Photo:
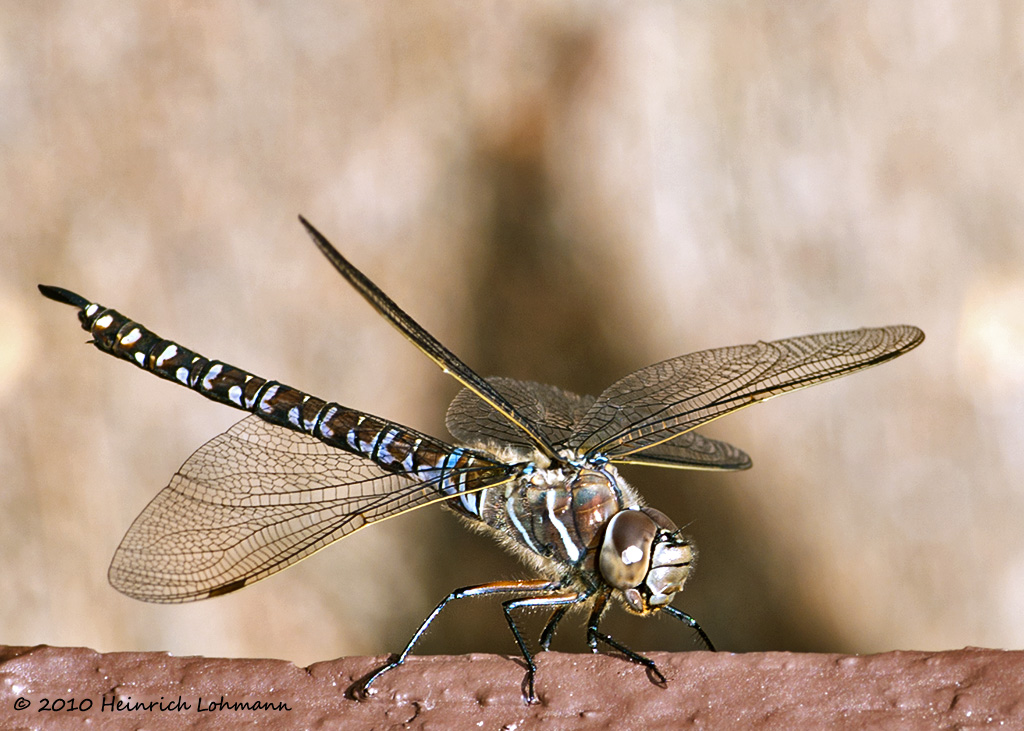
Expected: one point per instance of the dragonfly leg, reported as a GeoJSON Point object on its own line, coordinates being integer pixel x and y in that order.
{"type": "Point", "coordinates": [594, 635]}
{"type": "Point", "coordinates": [498, 587]}
{"type": "Point", "coordinates": [684, 617]}
{"type": "Point", "coordinates": [549, 629]}
{"type": "Point", "coordinates": [561, 602]}
{"type": "Point", "coordinates": [595, 617]}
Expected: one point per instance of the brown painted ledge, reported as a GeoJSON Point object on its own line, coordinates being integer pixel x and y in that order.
{"type": "Point", "coordinates": [970, 688]}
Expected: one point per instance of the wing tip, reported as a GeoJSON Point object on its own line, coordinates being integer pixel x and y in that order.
{"type": "Point", "coordinates": [227, 588]}
{"type": "Point", "coordinates": [915, 336]}
{"type": "Point", "coordinates": [146, 587]}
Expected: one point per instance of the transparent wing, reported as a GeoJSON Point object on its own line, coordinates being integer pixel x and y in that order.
{"type": "Point", "coordinates": [554, 412]}
{"type": "Point", "coordinates": [656, 404]}
{"type": "Point", "coordinates": [691, 450]}
{"type": "Point", "coordinates": [251, 502]}
{"type": "Point", "coordinates": [427, 343]}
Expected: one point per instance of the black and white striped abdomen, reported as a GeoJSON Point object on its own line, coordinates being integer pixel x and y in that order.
{"type": "Point", "coordinates": [392, 446]}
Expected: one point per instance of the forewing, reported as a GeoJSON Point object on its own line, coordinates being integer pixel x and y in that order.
{"type": "Point", "coordinates": [251, 502]}
{"type": "Point", "coordinates": [554, 412]}
{"type": "Point", "coordinates": [658, 403]}
{"type": "Point", "coordinates": [427, 343]}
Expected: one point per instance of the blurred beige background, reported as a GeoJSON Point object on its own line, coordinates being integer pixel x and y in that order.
{"type": "Point", "coordinates": [563, 192]}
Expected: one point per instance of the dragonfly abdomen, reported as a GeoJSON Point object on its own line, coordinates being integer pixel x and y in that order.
{"type": "Point", "coordinates": [389, 445]}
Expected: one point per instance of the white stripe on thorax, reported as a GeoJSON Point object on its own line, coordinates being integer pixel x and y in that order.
{"type": "Point", "coordinates": [510, 511]}
{"type": "Point", "coordinates": [571, 549]}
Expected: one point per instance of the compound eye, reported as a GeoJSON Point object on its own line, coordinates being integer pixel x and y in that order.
{"type": "Point", "coordinates": [626, 550]}
{"type": "Point", "coordinates": [660, 518]}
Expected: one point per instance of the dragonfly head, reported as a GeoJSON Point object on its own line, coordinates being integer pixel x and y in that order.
{"type": "Point", "coordinates": [644, 556]}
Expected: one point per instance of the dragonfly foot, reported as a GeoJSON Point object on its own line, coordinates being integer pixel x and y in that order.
{"type": "Point", "coordinates": [362, 690]}
{"type": "Point", "coordinates": [656, 675]}
{"type": "Point", "coordinates": [530, 696]}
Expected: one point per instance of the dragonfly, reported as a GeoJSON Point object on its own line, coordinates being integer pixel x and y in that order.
{"type": "Point", "coordinates": [533, 465]}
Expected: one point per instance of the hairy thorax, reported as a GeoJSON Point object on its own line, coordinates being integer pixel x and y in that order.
{"type": "Point", "coordinates": [553, 516]}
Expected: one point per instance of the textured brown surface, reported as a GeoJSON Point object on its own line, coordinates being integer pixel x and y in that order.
{"type": "Point", "coordinates": [958, 689]}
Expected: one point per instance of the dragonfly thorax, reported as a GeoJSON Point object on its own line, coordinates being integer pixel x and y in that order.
{"type": "Point", "coordinates": [555, 518]}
